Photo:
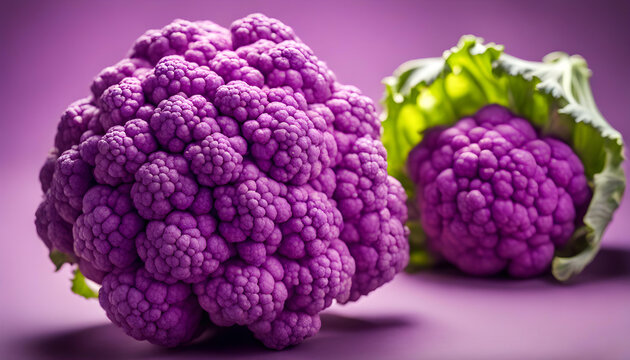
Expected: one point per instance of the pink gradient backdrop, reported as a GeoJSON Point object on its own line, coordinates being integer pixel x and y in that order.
{"type": "Point", "coordinates": [50, 50]}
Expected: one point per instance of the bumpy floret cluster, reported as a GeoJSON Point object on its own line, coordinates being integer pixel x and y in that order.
{"type": "Point", "coordinates": [494, 195]}
{"type": "Point", "coordinates": [223, 174]}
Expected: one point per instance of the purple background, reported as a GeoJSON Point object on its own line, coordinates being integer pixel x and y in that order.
{"type": "Point", "coordinates": [50, 51]}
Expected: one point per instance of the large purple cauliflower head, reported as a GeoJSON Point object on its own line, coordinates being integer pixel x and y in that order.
{"type": "Point", "coordinates": [494, 195]}
{"type": "Point", "coordinates": [223, 176]}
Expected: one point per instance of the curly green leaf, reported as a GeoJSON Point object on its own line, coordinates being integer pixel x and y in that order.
{"type": "Point", "coordinates": [81, 287]}
{"type": "Point", "coordinates": [59, 258]}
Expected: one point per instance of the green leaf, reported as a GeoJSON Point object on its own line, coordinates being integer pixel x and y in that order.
{"type": "Point", "coordinates": [59, 258]}
{"type": "Point", "coordinates": [81, 287]}
{"type": "Point", "coordinates": [609, 185]}
{"type": "Point", "coordinates": [554, 95]}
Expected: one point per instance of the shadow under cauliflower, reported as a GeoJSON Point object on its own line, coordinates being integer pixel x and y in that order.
{"type": "Point", "coordinates": [223, 172]}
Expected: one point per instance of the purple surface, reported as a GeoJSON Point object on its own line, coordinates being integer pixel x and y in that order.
{"type": "Point", "coordinates": [52, 50]}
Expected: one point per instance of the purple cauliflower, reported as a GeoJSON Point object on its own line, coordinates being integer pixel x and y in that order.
{"type": "Point", "coordinates": [494, 195]}
{"type": "Point", "coordinates": [222, 177]}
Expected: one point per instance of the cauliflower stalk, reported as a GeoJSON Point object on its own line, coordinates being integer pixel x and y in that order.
{"type": "Point", "coordinates": [508, 164]}
{"type": "Point", "coordinates": [222, 177]}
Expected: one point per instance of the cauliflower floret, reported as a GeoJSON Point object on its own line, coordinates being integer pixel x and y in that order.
{"type": "Point", "coordinates": [314, 223]}
{"type": "Point", "coordinates": [244, 294]}
{"type": "Point", "coordinates": [217, 159]}
{"type": "Point", "coordinates": [240, 101]}
{"type": "Point", "coordinates": [88, 147]}
{"type": "Point", "coordinates": [183, 247]}
{"type": "Point", "coordinates": [104, 233]}
{"type": "Point", "coordinates": [198, 41]}
{"type": "Point", "coordinates": [353, 112]}
{"type": "Point", "coordinates": [148, 309]}
{"type": "Point", "coordinates": [232, 68]}
{"type": "Point", "coordinates": [173, 75]}
{"type": "Point", "coordinates": [287, 144]}
{"type": "Point", "coordinates": [71, 180]}
{"type": "Point", "coordinates": [163, 184]}
{"type": "Point", "coordinates": [288, 328]}
{"type": "Point", "coordinates": [292, 64]}
{"type": "Point", "coordinates": [54, 231]}
{"type": "Point", "coordinates": [326, 182]}
{"type": "Point", "coordinates": [256, 27]}
{"type": "Point", "coordinates": [121, 152]}
{"type": "Point", "coordinates": [120, 102]}
{"type": "Point", "coordinates": [74, 122]}
{"type": "Point", "coordinates": [179, 120]}
{"type": "Point", "coordinates": [112, 75]}
{"type": "Point", "coordinates": [315, 282]}
{"type": "Point", "coordinates": [48, 169]}
{"type": "Point", "coordinates": [249, 212]}
{"type": "Point", "coordinates": [376, 239]}
{"type": "Point", "coordinates": [286, 95]}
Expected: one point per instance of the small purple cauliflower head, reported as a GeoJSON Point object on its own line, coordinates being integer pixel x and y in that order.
{"type": "Point", "coordinates": [241, 101]}
{"type": "Point", "coordinates": [112, 75]}
{"type": "Point", "coordinates": [74, 122]}
{"type": "Point", "coordinates": [179, 120]}
{"type": "Point", "coordinates": [183, 247]}
{"type": "Point", "coordinates": [70, 181]}
{"type": "Point", "coordinates": [104, 232]}
{"type": "Point", "coordinates": [197, 41]}
{"type": "Point", "coordinates": [495, 196]}
{"type": "Point", "coordinates": [259, 27]}
{"type": "Point", "coordinates": [232, 68]}
{"type": "Point", "coordinates": [173, 75]}
{"type": "Point", "coordinates": [120, 102]}
{"type": "Point", "coordinates": [223, 177]}
{"type": "Point", "coordinates": [249, 212]}
{"type": "Point", "coordinates": [217, 159]}
{"type": "Point", "coordinates": [163, 184]}
{"type": "Point", "coordinates": [121, 152]}
{"type": "Point", "coordinates": [286, 143]}
{"type": "Point", "coordinates": [149, 309]}
{"type": "Point", "coordinates": [48, 170]}
{"type": "Point", "coordinates": [244, 294]}
{"type": "Point", "coordinates": [54, 231]}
